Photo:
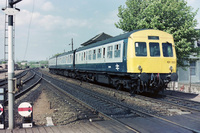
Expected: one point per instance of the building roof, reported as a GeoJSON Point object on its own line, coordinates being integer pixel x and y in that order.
{"type": "Point", "coordinates": [99, 37]}
{"type": "Point", "coordinates": [109, 40]}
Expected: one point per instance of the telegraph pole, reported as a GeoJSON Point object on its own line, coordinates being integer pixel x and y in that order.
{"type": "Point", "coordinates": [10, 11]}
{"type": "Point", "coordinates": [72, 44]}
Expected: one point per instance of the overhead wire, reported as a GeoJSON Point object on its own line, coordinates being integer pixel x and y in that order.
{"type": "Point", "coordinates": [29, 28]}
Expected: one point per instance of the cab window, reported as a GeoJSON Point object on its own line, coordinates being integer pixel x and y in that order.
{"type": "Point", "coordinates": [154, 49]}
{"type": "Point", "coordinates": [140, 49]}
{"type": "Point", "coordinates": [167, 50]}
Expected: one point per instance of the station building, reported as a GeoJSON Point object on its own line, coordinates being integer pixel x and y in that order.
{"type": "Point", "coordinates": [191, 74]}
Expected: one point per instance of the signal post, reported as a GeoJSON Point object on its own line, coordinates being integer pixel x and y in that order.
{"type": "Point", "coordinates": [10, 11]}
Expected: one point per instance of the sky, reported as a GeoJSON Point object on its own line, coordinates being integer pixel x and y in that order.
{"type": "Point", "coordinates": [44, 28]}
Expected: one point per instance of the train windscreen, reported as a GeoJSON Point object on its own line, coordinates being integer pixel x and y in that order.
{"type": "Point", "coordinates": [140, 49]}
{"type": "Point", "coordinates": [154, 49]}
{"type": "Point", "coordinates": [167, 49]}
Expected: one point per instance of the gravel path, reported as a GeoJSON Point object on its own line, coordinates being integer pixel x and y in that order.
{"type": "Point", "coordinates": [49, 104]}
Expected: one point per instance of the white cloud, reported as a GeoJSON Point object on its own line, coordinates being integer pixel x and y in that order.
{"type": "Point", "coordinates": [47, 6]}
{"type": "Point", "coordinates": [44, 5]}
{"type": "Point", "coordinates": [48, 22]}
{"type": "Point", "coordinates": [23, 18]}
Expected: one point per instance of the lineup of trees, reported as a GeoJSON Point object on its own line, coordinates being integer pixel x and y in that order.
{"type": "Point", "coordinates": [172, 16]}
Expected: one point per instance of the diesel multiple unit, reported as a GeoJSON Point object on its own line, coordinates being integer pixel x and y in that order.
{"type": "Point", "coordinates": [141, 61]}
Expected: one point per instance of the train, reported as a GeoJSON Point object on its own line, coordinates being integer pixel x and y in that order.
{"type": "Point", "coordinates": [139, 61]}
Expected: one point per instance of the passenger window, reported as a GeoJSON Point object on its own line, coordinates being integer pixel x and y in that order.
{"type": "Point", "coordinates": [67, 59]}
{"type": "Point", "coordinates": [81, 56]}
{"type": "Point", "coordinates": [154, 49]}
{"type": "Point", "coordinates": [99, 53]}
{"type": "Point", "coordinates": [140, 49]}
{"type": "Point", "coordinates": [76, 57]}
{"type": "Point", "coordinates": [109, 51]}
{"type": "Point", "coordinates": [90, 55]}
{"type": "Point", "coordinates": [70, 58]}
{"type": "Point", "coordinates": [167, 50]}
{"type": "Point", "coordinates": [86, 55]}
{"type": "Point", "coordinates": [94, 54]}
{"type": "Point", "coordinates": [117, 50]}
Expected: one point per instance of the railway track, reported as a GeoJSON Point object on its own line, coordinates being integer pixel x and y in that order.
{"type": "Point", "coordinates": [4, 82]}
{"type": "Point", "coordinates": [111, 108]}
{"type": "Point", "coordinates": [28, 83]}
{"type": "Point", "coordinates": [178, 103]}
{"type": "Point", "coordinates": [89, 112]}
{"type": "Point", "coordinates": [30, 80]}
{"type": "Point", "coordinates": [184, 103]}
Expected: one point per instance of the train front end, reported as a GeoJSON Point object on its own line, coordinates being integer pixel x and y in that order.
{"type": "Point", "coordinates": [151, 60]}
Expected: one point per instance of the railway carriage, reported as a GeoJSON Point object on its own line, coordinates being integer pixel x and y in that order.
{"type": "Point", "coordinates": [62, 64]}
{"type": "Point", "coordinates": [141, 60]}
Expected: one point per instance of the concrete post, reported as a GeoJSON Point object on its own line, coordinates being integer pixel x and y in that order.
{"type": "Point", "coordinates": [10, 71]}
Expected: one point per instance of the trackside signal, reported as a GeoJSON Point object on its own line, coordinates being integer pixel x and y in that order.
{"type": "Point", "coordinates": [25, 109]}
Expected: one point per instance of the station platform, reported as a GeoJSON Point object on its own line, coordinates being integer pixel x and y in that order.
{"type": "Point", "coordinates": [138, 125]}
{"type": "Point", "coordinates": [88, 127]}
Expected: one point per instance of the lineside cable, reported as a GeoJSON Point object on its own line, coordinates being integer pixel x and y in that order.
{"type": "Point", "coordinates": [29, 27]}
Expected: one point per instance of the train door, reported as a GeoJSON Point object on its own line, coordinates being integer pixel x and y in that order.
{"type": "Point", "coordinates": [56, 61]}
{"type": "Point", "coordinates": [104, 59]}
{"type": "Point", "coordinates": [74, 57]}
{"type": "Point", "coordinates": [104, 54]}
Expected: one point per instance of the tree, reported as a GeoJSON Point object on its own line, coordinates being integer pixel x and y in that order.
{"type": "Point", "coordinates": [172, 16]}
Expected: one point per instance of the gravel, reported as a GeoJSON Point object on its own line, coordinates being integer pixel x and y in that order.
{"type": "Point", "coordinates": [47, 103]}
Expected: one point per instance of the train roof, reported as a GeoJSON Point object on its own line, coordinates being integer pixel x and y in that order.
{"type": "Point", "coordinates": [97, 38]}
{"type": "Point", "coordinates": [62, 54]}
{"type": "Point", "coordinates": [109, 40]}
{"type": "Point", "coordinates": [94, 44]}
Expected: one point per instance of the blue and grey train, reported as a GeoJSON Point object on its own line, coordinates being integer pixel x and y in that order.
{"type": "Point", "coordinates": [141, 61]}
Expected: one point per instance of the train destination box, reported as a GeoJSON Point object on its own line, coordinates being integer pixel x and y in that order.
{"type": "Point", "coordinates": [25, 109]}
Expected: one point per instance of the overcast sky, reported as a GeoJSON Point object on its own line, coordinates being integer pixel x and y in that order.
{"type": "Point", "coordinates": [45, 27]}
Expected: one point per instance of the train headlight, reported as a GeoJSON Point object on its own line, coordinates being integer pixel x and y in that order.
{"type": "Point", "coordinates": [140, 68]}
{"type": "Point", "coordinates": [171, 68]}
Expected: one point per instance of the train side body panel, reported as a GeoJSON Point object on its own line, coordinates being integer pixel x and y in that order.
{"type": "Point", "coordinates": [107, 57]}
